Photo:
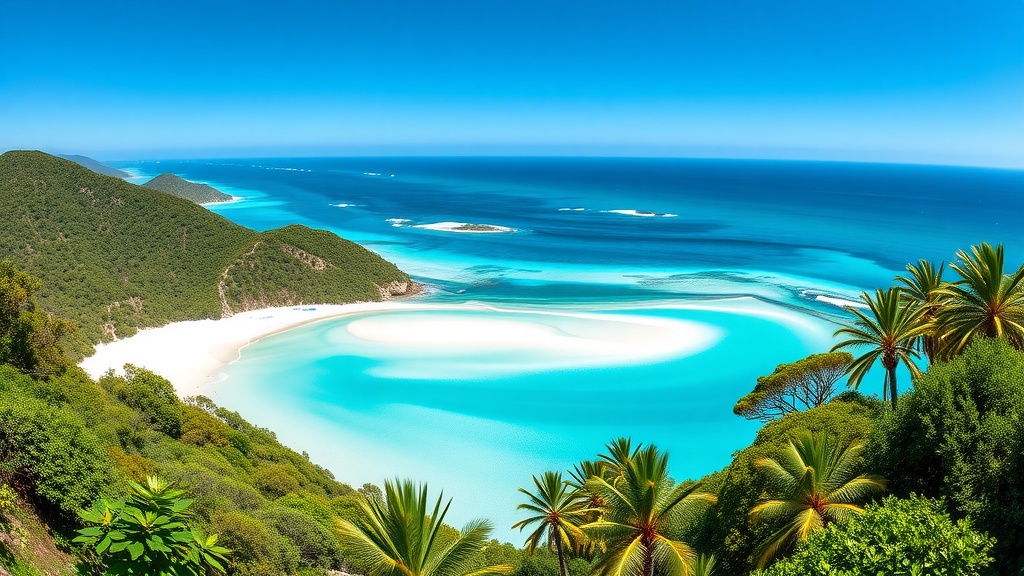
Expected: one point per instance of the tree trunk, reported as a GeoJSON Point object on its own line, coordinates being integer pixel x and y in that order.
{"type": "Point", "coordinates": [563, 570]}
{"type": "Point", "coordinates": [891, 377]}
{"type": "Point", "coordinates": [648, 561]}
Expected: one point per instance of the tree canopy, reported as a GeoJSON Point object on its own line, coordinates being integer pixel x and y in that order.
{"type": "Point", "coordinates": [800, 385]}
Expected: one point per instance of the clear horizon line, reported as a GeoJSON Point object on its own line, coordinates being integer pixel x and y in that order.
{"type": "Point", "coordinates": [649, 152]}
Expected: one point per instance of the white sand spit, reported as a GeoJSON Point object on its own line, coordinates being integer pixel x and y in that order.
{"type": "Point", "coordinates": [189, 354]}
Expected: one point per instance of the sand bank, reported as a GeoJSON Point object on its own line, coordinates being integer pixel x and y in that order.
{"type": "Point", "coordinates": [466, 228]}
{"type": "Point", "coordinates": [189, 354]}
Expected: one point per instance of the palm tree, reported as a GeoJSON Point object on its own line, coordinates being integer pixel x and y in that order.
{"type": "Point", "coordinates": [985, 302]}
{"type": "Point", "coordinates": [578, 477]}
{"type": "Point", "coordinates": [585, 470]}
{"type": "Point", "coordinates": [891, 329]}
{"type": "Point", "coordinates": [558, 512]}
{"type": "Point", "coordinates": [638, 510]}
{"type": "Point", "coordinates": [813, 484]}
{"type": "Point", "coordinates": [619, 453]}
{"type": "Point", "coordinates": [399, 536]}
{"type": "Point", "coordinates": [923, 285]}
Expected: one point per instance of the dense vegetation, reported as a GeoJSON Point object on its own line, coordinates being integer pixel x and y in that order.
{"type": "Point", "coordinates": [194, 191]}
{"type": "Point", "coordinates": [114, 257]}
{"type": "Point", "coordinates": [911, 537]}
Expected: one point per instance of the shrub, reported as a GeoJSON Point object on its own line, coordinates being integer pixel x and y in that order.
{"type": "Point", "coordinates": [256, 549]}
{"type": "Point", "coordinates": [49, 453]}
{"type": "Point", "coordinates": [153, 396]}
{"type": "Point", "coordinates": [199, 428]}
{"type": "Point", "coordinates": [150, 533]}
{"type": "Point", "coordinates": [318, 547]}
{"type": "Point", "coordinates": [899, 537]}
{"type": "Point", "coordinates": [275, 480]}
{"type": "Point", "coordinates": [958, 435]}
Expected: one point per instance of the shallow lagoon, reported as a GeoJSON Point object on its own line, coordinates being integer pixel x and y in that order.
{"type": "Point", "coordinates": [475, 400]}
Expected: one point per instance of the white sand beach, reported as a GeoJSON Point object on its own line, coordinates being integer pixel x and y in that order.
{"type": "Point", "coordinates": [234, 200]}
{"type": "Point", "coordinates": [189, 354]}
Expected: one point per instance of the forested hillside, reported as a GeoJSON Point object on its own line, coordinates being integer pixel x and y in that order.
{"type": "Point", "coordinates": [194, 191]}
{"type": "Point", "coordinates": [114, 257]}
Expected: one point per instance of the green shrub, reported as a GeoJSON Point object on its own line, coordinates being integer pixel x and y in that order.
{"type": "Point", "coordinates": [899, 537]}
{"type": "Point", "coordinates": [959, 435]}
{"type": "Point", "coordinates": [154, 397]}
{"type": "Point", "coordinates": [275, 480]}
{"type": "Point", "coordinates": [199, 428]}
{"type": "Point", "coordinates": [150, 534]}
{"type": "Point", "coordinates": [544, 563]}
{"type": "Point", "coordinates": [50, 453]}
{"type": "Point", "coordinates": [256, 549]}
{"type": "Point", "coordinates": [315, 507]}
{"type": "Point", "coordinates": [318, 547]}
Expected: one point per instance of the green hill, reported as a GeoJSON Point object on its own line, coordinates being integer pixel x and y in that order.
{"type": "Point", "coordinates": [95, 166]}
{"type": "Point", "coordinates": [194, 191]}
{"type": "Point", "coordinates": [114, 257]}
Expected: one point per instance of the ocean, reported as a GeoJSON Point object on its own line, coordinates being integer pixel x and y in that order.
{"type": "Point", "coordinates": [609, 297]}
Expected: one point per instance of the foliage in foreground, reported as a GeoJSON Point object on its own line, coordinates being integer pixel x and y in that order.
{"type": "Point", "coordinates": [641, 506]}
{"type": "Point", "coordinates": [400, 536]}
{"type": "Point", "coordinates": [812, 483]}
{"type": "Point", "coordinates": [150, 534]}
{"type": "Point", "coordinates": [558, 511]}
{"type": "Point", "coordinates": [725, 529]}
{"type": "Point", "coordinates": [899, 537]}
{"type": "Point", "coordinates": [959, 435]}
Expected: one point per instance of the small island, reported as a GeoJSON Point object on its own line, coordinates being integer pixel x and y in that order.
{"type": "Point", "coordinates": [465, 227]}
{"type": "Point", "coordinates": [194, 191]}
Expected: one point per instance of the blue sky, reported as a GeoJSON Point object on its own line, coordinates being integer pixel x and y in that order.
{"type": "Point", "coordinates": [906, 81]}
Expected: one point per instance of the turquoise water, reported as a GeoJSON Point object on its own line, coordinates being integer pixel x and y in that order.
{"type": "Point", "coordinates": [634, 297]}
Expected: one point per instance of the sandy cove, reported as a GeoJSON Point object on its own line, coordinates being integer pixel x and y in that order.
{"type": "Point", "coordinates": [189, 354]}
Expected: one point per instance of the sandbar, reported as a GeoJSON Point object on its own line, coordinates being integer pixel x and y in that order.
{"type": "Point", "coordinates": [191, 354]}
{"type": "Point", "coordinates": [466, 228]}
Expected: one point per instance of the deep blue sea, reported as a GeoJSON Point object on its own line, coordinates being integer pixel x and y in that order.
{"type": "Point", "coordinates": [633, 297]}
